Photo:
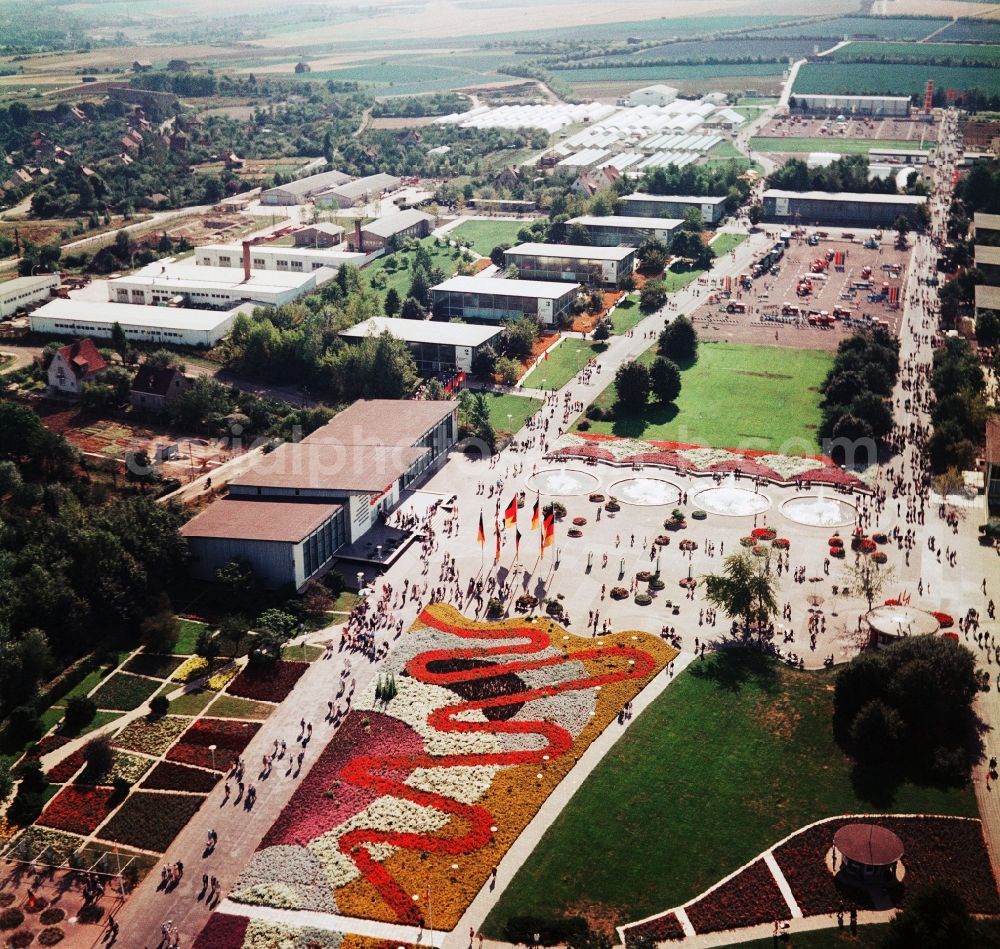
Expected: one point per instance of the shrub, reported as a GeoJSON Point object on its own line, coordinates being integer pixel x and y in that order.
{"type": "Point", "coordinates": [40, 904]}
{"type": "Point", "coordinates": [91, 913]}
{"type": "Point", "coordinates": [51, 916]}
{"type": "Point", "coordinates": [80, 712]}
{"type": "Point", "coordinates": [50, 936]}
{"type": "Point", "coordinates": [11, 918]}
{"type": "Point", "coordinates": [20, 939]}
{"type": "Point", "coordinates": [643, 599]}
{"type": "Point", "coordinates": [584, 426]}
{"type": "Point", "coordinates": [159, 705]}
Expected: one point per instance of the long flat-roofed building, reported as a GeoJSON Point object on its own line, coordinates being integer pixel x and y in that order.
{"type": "Point", "coordinates": [376, 235]}
{"type": "Point", "coordinates": [298, 505]}
{"type": "Point", "coordinates": [494, 299]}
{"type": "Point", "coordinates": [898, 106]}
{"type": "Point", "coordinates": [436, 346]}
{"type": "Point", "coordinates": [302, 190]}
{"type": "Point", "coordinates": [271, 257]}
{"type": "Point", "coordinates": [23, 291]}
{"type": "Point", "coordinates": [359, 191]}
{"type": "Point", "coordinates": [576, 263]}
{"type": "Point", "coordinates": [618, 230]}
{"type": "Point", "coordinates": [841, 208]}
{"type": "Point", "coordinates": [711, 208]}
{"type": "Point", "coordinates": [143, 324]}
{"type": "Point", "coordinates": [987, 298]}
{"type": "Point", "coordinates": [219, 287]}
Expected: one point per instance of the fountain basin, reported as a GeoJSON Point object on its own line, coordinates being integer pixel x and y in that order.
{"type": "Point", "coordinates": [819, 511]}
{"type": "Point", "coordinates": [562, 482]}
{"type": "Point", "coordinates": [647, 492]}
{"type": "Point", "coordinates": [731, 501]}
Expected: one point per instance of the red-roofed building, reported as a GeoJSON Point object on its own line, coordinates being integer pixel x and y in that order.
{"type": "Point", "coordinates": [73, 365]}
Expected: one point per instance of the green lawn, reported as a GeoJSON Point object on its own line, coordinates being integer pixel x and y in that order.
{"type": "Point", "coordinates": [310, 654]}
{"type": "Point", "coordinates": [88, 682]}
{"type": "Point", "coordinates": [192, 703]}
{"type": "Point", "coordinates": [398, 267]}
{"type": "Point", "coordinates": [833, 143]}
{"type": "Point", "coordinates": [345, 602]}
{"type": "Point", "coordinates": [729, 398]}
{"type": "Point", "coordinates": [726, 149]}
{"type": "Point", "coordinates": [724, 243]}
{"type": "Point", "coordinates": [187, 638]}
{"type": "Point", "coordinates": [231, 706]}
{"type": "Point", "coordinates": [627, 314]}
{"type": "Point", "coordinates": [519, 407]}
{"type": "Point", "coordinates": [486, 234]}
{"type": "Point", "coordinates": [678, 279]}
{"type": "Point", "coordinates": [737, 753]}
{"type": "Point", "coordinates": [564, 362]}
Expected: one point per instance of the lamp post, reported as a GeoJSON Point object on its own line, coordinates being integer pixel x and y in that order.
{"type": "Point", "coordinates": [361, 580]}
{"type": "Point", "coordinates": [212, 748]}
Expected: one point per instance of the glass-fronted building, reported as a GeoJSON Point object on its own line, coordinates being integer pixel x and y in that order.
{"type": "Point", "coordinates": [571, 263]}
{"type": "Point", "coordinates": [494, 300]}
{"type": "Point", "coordinates": [619, 230]}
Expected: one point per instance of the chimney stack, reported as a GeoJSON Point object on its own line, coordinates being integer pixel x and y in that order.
{"type": "Point", "coordinates": [357, 235]}
{"type": "Point", "coordinates": [246, 261]}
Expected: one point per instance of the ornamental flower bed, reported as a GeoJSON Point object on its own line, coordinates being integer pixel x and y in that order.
{"type": "Point", "coordinates": [409, 786]}
{"type": "Point", "coordinates": [230, 738]}
{"type": "Point", "coordinates": [781, 543]}
{"type": "Point", "coordinates": [150, 820]}
{"type": "Point", "coordinates": [65, 769]}
{"type": "Point", "coordinates": [837, 552]}
{"type": "Point", "coordinates": [836, 541]}
{"type": "Point", "coordinates": [945, 620]}
{"type": "Point", "coordinates": [944, 850]}
{"type": "Point", "coordinates": [169, 776]}
{"type": "Point", "coordinates": [747, 542]}
{"type": "Point", "coordinates": [749, 898]}
{"type": "Point", "coordinates": [124, 692]}
{"type": "Point", "coordinates": [763, 533]}
{"type": "Point", "coordinates": [222, 931]}
{"type": "Point", "coordinates": [579, 521]}
{"type": "Point", "coordinates": [154, 665]}
{"type": "Point", "coordinates": [574, 532]}
{"type": "Point", "coordinates": [879, 557]}
{"type": "Point", "coordinates": [618, 593]}
{"type": "Point", "coordinates": [151, 736]}
{"type": "Point", "coordinates": [661, 929]}
{"type": "Point", "coordinates": [78, 810]}
{"type": "Point", "coordinates": [272, 685]}
{"type": "Point", "coordinates": [758, 550]}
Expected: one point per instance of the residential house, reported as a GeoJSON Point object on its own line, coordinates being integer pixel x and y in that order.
{"type": "Point", "coordinates": [153, 389]}
{"type": "Point", "coordinates": [73, 365]}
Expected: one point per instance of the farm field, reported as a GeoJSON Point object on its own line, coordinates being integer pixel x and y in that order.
{"type": "Point", "coordinates": [890, 28]}
{"type": "Point", "coordinates": [829, 143]}
{"type": "Point", "coordinates": [957, 52]}
{"type": "Point", "coordinates": [486, 234]}
{"type": "Point", "coordinates": [646, 74]}
{"type": "Point", "coordinates": [971, 30]}
{"type": "Point", "coordinates": [411, 79]}
{"type": "Point", "coordinates": [893, 79]}
{"type": "Point", "coordinates": [727, 374]}
{"type": "Point", "coordinates": [737, 713]}
{"type": "Point", "coordinates": [728, 48]}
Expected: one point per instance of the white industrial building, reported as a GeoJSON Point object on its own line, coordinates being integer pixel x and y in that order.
{"type": "Point", "coordinates": [218, 287]}
{"type": "Point", "coordinates": [551, 117]}
{"type": "Point", "coordinates": [359, 191]}
{"type": "Point", "coordinates": [302, 190]}
{"type": "Point", "coordinates": [23, 291]}
{"type": "Point", "coordinates": [658, 94]}
{"type": "Point", "coordinates": [143, 324]}
{"type": "Point", "coordinates": [496, 300]}
{"type": "Point", "coordinates": [621, 230]}
{"type": "Point", "coordinates": [710, 207]}
{"type": "Point", "coordinates": [272, 257]}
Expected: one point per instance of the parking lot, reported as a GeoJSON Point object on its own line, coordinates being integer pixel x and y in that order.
{"type": "Point", "coordinates": [834, 302]}
{"type": "Point", "coordinates": [875, 128]}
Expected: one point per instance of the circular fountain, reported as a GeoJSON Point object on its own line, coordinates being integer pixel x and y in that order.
{"type": "Point", "coordinates": [731, 501]}
{"type": "Point", "coordinates": [817, 510]}
{"type": "Point", "coordinates": [647, 492]}
{"type": "Point", "coordinates": [562, 481]}
{"type": "Point", "coordinates": [893, 622]}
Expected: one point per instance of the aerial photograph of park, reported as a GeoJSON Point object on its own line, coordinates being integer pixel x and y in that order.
{"type": "Point", "coordinates": [479, 475]}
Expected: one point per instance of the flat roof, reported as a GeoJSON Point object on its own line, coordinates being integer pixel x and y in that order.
{"type": "Point", "coordinates": [585, 251]}
{"type": "Point", "coordinates": [987, 255]}
{"type": "Point", "coordinates": [331, 466]}
{"type": "Point", "coordinates": [667, 198]}
{"type": "Point", "coordinates": [383, 422]}
{"type": "Point", "coordinates": [624, 220]}
{"type": "Point", "coordinates": [425, 331]}
{"type": "Point", "coordinates": [988, 222]}
{"type": "Point", "coordinates": [136, 314]}
{"type": "Point", "coordinates": [848, 196]}
{"type": "Point", "coordinates": [542, 289]}
{"type": "Point", "coordinates": [216, 278]}
{"type": "Point", "coordinates": [264, 520]}
{"type": "Point", "coordinates": [987, 298]}
{"type": "Point", "coordinates": [270, 250]}
{"type": "Point", "coordinates": [837, 95]}
{"type": "Point", "coordinates": [20, 284]}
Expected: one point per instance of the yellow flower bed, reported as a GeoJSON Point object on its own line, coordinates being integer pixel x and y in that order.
{"type": "Point", "coordinates": [191, 669]}
{"type": "Point", "coordinates": [220, 680]}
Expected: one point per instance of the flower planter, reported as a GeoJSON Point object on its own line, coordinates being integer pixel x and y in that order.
{"type": "Point", "coordinates": [689, 583]}
{"type": "Point", "coordinates": [879, 557]}
{"type": "Point", "coordinates": [612, 507]}
{"type": "Point", "coordinates": [781, 543]}
{"type": "Point", "coordinates": [618, 593]}
{"type": "Point", "coordinates": [837, 552]}
{"type": "Point", "coordinates": [944, 619]}
{"type": "Point", "coordinates": [688, 545]}
{"type": "Point", "coordinates": [836, 541]}
{"type": "Point", "coordinates": [596, 498]}
{"type": "Point", "coordinates": [699, 514]}
{"type": "Point", "coordinates": [525, 603]}
{"type": "Point", "coordinates": [663, 540]}
{"type": "Point", "coordinates": [758, 550]}
{"type": "Point", "coordinates": [644, 576]}
{"type": "Point", "coordinates": [764, 533]}
{"type": "Point", "coordinates": [574, 532]}
{"type": "Point", "coordinates": [579, 521]}
{"type": "Point", "coordinates": [643, 599]}
{"type": "Point", "coordinates": [747, 542]}
{"type": "Point", "coordinates": [656, 584]}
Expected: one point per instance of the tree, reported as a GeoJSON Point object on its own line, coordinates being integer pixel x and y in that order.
{"type": "Point", "coordinates": [420, 288]}
{"type": "Point", "coordinates": [509, 370]}
{"type": "Point", "coordinates": [654, 259]}
{"type": "Point", "coordinates": [159, 630]}
{"type": "Point", "coordinates": [745, 590]}
{"type": "Point", "coordinates": [235, 579]}
{"type": "Point", "coordinates": [233, 629]}
{"type": "Point", "coordinates": [902, 227]}
{"type": "Point", "coordinates": [412, 310]}
{"type": "Point", "coordinates": [652, 296]}
{"type": "Point", "coordinates": [936, 917]}
{"type": "Point", "coordinates": [480, 422]}
{"type": "Point", "coordinates": [485, 361]}
{"type": "Point", "coordinates": [679, 340]}
{"type": "Point", "coordinates": [392, 302]}
{"type": "Point", "coordinates": [80, 712]}
{"type": "Point", "coordinates": [278, 622]}
{"type": "Point", "coordinates": [665, 380]}
{"type": "Point", "coordinates": [632, 386]}
{"type": "Point", "coordinates": [602, 331]}
{"type": "Point", "coordinates": [868, 578]}
{"type": "Point", "coordinates": [755, 213]}
{"type": "Point", "coordinates": [98, 755]}
{"type": "Point", "coordinates": [118, 339]}
{"type": "Point", "coordinates": [519, 338]}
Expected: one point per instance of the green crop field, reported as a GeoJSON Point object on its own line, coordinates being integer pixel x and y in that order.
{"type": "Point", "coordinates": [756, 378]}
{"type": "Point", "coordinates": [486, 234]}
{"type": "Point", "coordinates": [900, 79]}
{"type": "Point", "coordinates": [657, 73]}
{"type": "Point", "coordinates": [831, 143]}
{"type": "Point", "coordinates": [956, 52]}
{"type": "Point", "coordinates": [735, 754]}
{"type": "Point", "coordinates": [882, 27]}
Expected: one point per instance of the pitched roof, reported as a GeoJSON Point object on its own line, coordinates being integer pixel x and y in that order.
{"type": "Point", "coordinates": [154, 380]}
{"type": "Point", "coordinates": [83, 358]}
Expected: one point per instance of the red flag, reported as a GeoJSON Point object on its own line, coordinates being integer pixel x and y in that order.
{"type": "Point", "coordinates": [481, 533]}
{"type": "Point", "coordinates": [496, 534]}
{"type": "Point", "coordinates": [534, 514]}
{"type": "Point", "coordinates": [517, 543]}
{"type": "Point", "coordinates": [548, 531]}
{"type": "Point", "coordinates": [510, 515]}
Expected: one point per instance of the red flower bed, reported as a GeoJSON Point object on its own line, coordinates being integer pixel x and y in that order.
{"type": "Point", "coordinates": [936, 850]}
{"type": "Point", "coordinates": [945, 619]}
{"type": "Point", "coordinates": [78, 810]}
{"type": "Point", "coordinates": [46, 745]}
{"type": "Point", "coordinates": [270, 686]}
{"type": "Point", "coordinates": [229, 737]}
{"type": "Point", "coordinates": [222, 931]}
{"type": "Point", "coordinates": [763, 533]}
{"type": "Point", "coordinates": [657, 930]}
{"type": "Point", "coordinates": [836, 541]}
{"type": "Point", "coordinates": [749, 898]}
{"type": "Point", "coordinates": [167, 776]}
{"type": "Point", "coordinates": [837, 552]}
{"type": "Point", "coordinates": [150, 820]}
{"type": "Point", "coordinates": [62, 772]}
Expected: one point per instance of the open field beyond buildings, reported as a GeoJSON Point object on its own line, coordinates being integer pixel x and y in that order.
{"type": "Point", "coordinates": [956, 52]}
{"type": "Point", "coordinates": [830, 143]}
{"type": "Point", "coordinates": [737, 753]}
{"type": "Point", "coordinates": [896, 79]}
{"type": "Point", "coordinates": [565, 361]}
{"type": "Point", "coordinates": [756, 378]}
{"type": "Point", "coordinates": [485, 234]}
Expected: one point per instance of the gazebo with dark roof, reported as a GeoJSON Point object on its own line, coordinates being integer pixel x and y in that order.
{"type": "Point", "coordinates": [868, 852]}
